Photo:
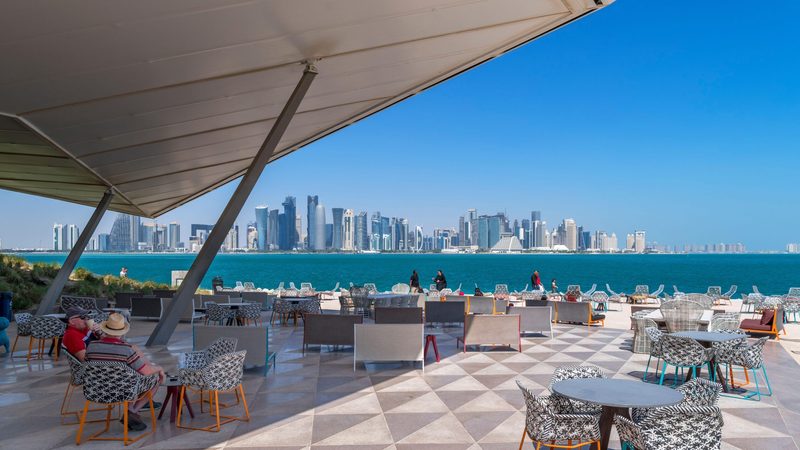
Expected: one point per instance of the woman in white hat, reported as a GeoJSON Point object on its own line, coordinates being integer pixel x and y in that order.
{"type": "Point", "coordinates": [112, 347]}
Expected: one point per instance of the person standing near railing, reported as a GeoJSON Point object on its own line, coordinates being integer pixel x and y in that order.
{"type": "Point", "coordinates": [414, 282]}
{"type": "Point", "coordinates": [536, 281]}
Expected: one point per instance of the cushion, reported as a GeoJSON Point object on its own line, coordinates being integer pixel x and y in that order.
{"type": "Point", "coordinates": [754, 324]}
{"type": "Point", "coordinates": [766, 318]}
{"type": "Point", "coordinates": [598, 317]}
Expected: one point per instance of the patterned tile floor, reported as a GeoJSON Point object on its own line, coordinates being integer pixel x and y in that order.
{"type": "Point", "coordinates": [468, 401]}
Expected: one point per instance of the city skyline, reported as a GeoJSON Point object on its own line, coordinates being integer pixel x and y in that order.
{"type": "Point", "coordinates": [675, 133]}
{"type": "Point", "coordinates": [350, 230]}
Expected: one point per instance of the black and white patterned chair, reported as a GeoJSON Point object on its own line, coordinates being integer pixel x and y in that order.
{"type": "Point", "coordinates": [371, 288]}
{"type": "Point", "coordinates": [696, 392]}
{"type": "Point", "coordinates": [673, 427]}
{"type": "Point", "coordinates": [43, 329]}
{"type": "Point", "coordinates": [218, 314]}
{"type": "Point", "coordinates": [501, 292]}
{"type": "Point", "coordinates": [567, 406]}
{"type": "Point", "coordinates": [250, 312]}
{"type": "Point", "coordinates": [70, 301]}
{"type": "Point", "coordinates": [546, 425]}
{"type": "Point", "coordinates": [111, 384]}
{"type": "Point", "coordinates": [683, 353]}
{"type": "Point", "coordinates": [724, 322]}
{"type": "Point", "coordinates": [641, 341]}
{"type": "Point", "coordinates": [346, 305]}
{"type": "Point", "coordinates": [222, 374]}
{"type": "Point", "coordinates": [76, 374]}
{"type": "Point", "coordinates": [23, 328]}
{"type": "Point", "coordinates": [654, 336]}
{"type": "Point", "coordinates": [750, 357]}
{"type": "Point", "coordinates": [283, 309]}
{"type": "Point", "coordinates": [199, 359]}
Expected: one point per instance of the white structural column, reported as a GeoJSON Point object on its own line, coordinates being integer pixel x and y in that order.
{"type": "Point", "coordinates": [54, 291]}
{"type": "Point", "coordinates": [163, 331]}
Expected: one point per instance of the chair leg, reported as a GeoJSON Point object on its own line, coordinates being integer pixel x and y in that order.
{"type": "Point", "coordinates": [244, 403]}
{"type": "Point", "coordinates": [181, 393]}
{"type": "Point", "coordinates": [663, 372]}
{"type": "Point", "coordinates": [216, 403]}
{"type": "Point", "coordinates": [30, 347]}
{"type": "Point", "coordinates": [522, 441]}
{"type": "Point", "coordinates": [14, 347]}
{"type": "Point", "coordinates": [82, 423]}
{"type": "Point", "coordinates": [125, 423]}
{"type": "Point", "coordinates": [646, 368]}
{"type": "Point", "coordinates": [766, 379]}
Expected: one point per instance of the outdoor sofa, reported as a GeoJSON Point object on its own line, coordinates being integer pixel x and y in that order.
{"type": "Point", "coordinates": [577, 312]}
{"type": "Point", "coordinates": [534, 318]}
{"type": "Point", "coordinates": [486, 329]}
{"type": "Point", "coordinates": [329, 329]}
{"type": "Point", "coordinates": [398, 315]}
{"type": "Point", "coordinates": [388, 342]}
{"type": "Point", "coordinates": [444, 312]}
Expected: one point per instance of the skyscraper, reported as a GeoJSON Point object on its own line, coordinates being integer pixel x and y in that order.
{"type": "Point", "coordinates": [124, 236]}
{"type": "Point", "coordinates": [472, 224]}
{"type": "Point", "coordinates": [73, 232]}
{"type": "Point", "coordinates": [361, 232]}
{"type": "Point", "coordinates": [174, 235]}
{"type": "Point", "coordinates": [288, 228]}
{"type": "Point", "coordinates": [639, 241]}
{"type": "Point", "coordinates": [262, 221]}
{"type": "Point", "coordinates": [232, 239]}
{"type": "Point", "coordinates": [376, 236]}
{"type": "Point", "coordinates": [348, 230]}
{"type": "Point", "coordinates": [462, 230]}
{"type": "Point", "coordinates": [338, 236]}
{"type": "Point", "coordinates": [272, 230]}
{"type": "Point", "coordinates": [570, 234]}
{"type": "Point", "coordinates": [311, 204]}
{"type": "Point", "coordinates": [103, 242]}
{"type": "Point", "coordinates": [317, 239]}
{"type": "Point", "coordinates": [58, 237]}
{"type": "Point", "coordinates": [252, 236]}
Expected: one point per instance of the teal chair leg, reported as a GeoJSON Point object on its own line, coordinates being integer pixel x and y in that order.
{"type": "Point", "coordinates": [766, 379]}
{"type": "Point", "coordinates": [644, 378]}
{"type": "Point", "coordinates": [694, 372]}
{"type": "Point", "coordinates": [675, 380]}
{"type": "Point", "coordinates": [712, 372]}
{"type": "Point", "coordinates": [663, 371]}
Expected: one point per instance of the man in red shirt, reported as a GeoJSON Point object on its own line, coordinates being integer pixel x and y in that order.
{"type": "Point", "coordinates": [79, 330]}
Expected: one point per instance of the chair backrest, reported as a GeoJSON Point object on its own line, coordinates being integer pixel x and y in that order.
{"type": "Point", "coordinates": [445, 292]}
{"type": "Point", "coordinates": [220, 346]}
{"type": "Point", "coordinates": [642, 289]}
{"type": "Point", "coordinates": [46, 327]}
{"type": "Point", "coordinates": [703, 299]}
{"type": "Point", "coordinates": [675, 289]}
{"type": "Point", "coordinates": [306, 286]}
{"type": "Point", "coordinates": [23, 323]}
{"type": "Point", "coordinates": [573, 372]}
{"type": "Point", "coordinates": [608, 288]}
{"type": "Point", "coordinates": [444, 312]}
{"type": "Point", "coordinates": [794, 292]}
{"type": "Point", "coordinates": [69, 301]}
{"type": "Point", "coordinates": [700, 392]}
{"type": "Point", "coordinates": [249, 285]}
{"type": "Point", "coordinates": [501, 291]}
{"type": "Point", "coordinates": [539, 416]}
{"type": "Point", "coordinates": [76, 368]}
{"type": "Point", "coordinates": [292, 286]}
{"type": "Point", "coordinates": [401, 288]}
{"type": "Point", "coordinates": [224, 372]}
{"type": "Point", "coordinates": [682, 319]}
{"type": "Point", "coordinates": [599, 297]}
{"type": "Point", "coordinates": [371, 288]}
{"type": "Point", "coordinates": [731, 291]}
{"type": "Point", "coordinates": [480, 305]}
{"type": "Point", "coordinates": [682, 351]}
{"type": "Point", "coordinates": [658, 291]}
{"type": "Point", "coordinates": [755, 289]}
{"type": "Point", "coordinates": [714, 291]}
{"type": "Point", "coordinates": [573, 288]}
{"type": "Point", "coordinates": [724, 322]}
{"type": "Point", "coordinates": [398, 315]}
{"type": "Point", "coordinates": [216, 312]}
{"type": "Point", "coordinates": [249, 311]}
{"type": "Point", "coordinates": [591, 289]}
{"type": "Point", "coordinates": [112, 382]}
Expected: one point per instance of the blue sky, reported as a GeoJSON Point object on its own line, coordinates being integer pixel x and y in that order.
{"type": "Point", "coordinates": [678, 118]}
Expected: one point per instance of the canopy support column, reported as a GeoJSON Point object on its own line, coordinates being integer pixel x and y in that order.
{"type": "Point", "coordinates": [54, 291]}
{"type": "Point", "coordinates": [184, 297]}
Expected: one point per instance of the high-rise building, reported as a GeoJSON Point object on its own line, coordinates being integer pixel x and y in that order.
{"type": "Point", "coordinates": [124, 236]}
{"type": "Point", "coordinates": [272, 230]}
{"type": "Point", "coordinates": [252, 236]}
{"type": "Point", "coordinates": [174, 235]}
{"type": "Point", "coordinates": [585, 241]}
{"type": "Point", "coordinates": [419, 239]}
{"type": "Point", "coordinates": [527, 234]}
{"type": "Point", "coordinates": [311, 205]}
{"type": "Point", "coordinates": [462, 229]}
{"type": "Point", "coordinates": [362, 236]}
{"type": "Point", "coordinates": [472, 221]}
{"type": "Point", "coordinates": [58, 237]}
{"type": "Point", "coordinates": [317, 239]}
{"type": "Point", "coordinates": [337, 237]}
{"type": "Point", "coordinates": [376, 236]}
{"type": "Point", "coordinates": [262, 226]}
{"type": "Point", "coordinates": [298, 230]}
{"type": "Point", "coordinates": [232, 239]}
{"type": "Point", "coordinates": [348, 230]}
{"type": "Point", "coordinates": [73, 232]}
{"type": "Point", "coordinates": [288, 234]}
{"type": "Point", "coordinates": [640, 241]}
{"type": "Point", "coordinates": [570, 234]}
{"type": "Point", "coordinates": [200, 232]}
{"type": "Point", "coordinates": [630, 241]}
{"type": "Point", "coordinates": [103, 242]}
{"type": "Point", "coordinates": [401, 235]}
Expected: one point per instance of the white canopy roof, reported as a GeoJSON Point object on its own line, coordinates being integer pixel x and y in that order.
{"type": "Point", "coordinates": [167, 100]}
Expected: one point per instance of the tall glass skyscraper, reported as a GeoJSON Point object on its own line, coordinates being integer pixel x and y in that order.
{"type": "Point", "coordinates": [362, 234]}
{"type": "Point", "coordinates": [311, 205]}
{"type": "Point", "coordinates": [262, 222]}
{"type": "Point", "coordinates": [337, 238]}
{"type": "Point", "coordinates": [317, 240]}
{"type": "Point", "coordinates": [287, 228]}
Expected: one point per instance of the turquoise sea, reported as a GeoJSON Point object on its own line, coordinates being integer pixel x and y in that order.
{"type": "Point", "coordinates": [772, 274]}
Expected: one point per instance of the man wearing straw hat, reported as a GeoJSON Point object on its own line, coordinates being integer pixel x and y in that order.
{"type": "Point", "coordinates": [112, 347]}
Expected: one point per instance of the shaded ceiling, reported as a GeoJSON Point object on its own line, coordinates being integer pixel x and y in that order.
{"type": "Point", "coordinates": [167, 100]}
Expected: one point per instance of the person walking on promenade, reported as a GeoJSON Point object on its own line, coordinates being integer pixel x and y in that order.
{"type": "Point", "coordinates": [414, 281]}
{"type": "Point", "coordinates": [123, 272]}
{"type": "Point", "coordinates": [440, 280]}
{"type": "Point", "coordinates": [554, 286]}
{"type": "Point", "coordinates": [536, 281]}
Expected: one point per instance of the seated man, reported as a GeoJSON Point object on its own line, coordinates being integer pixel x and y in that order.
{"type": "Point", "coordinates": [80, 330]}
{"type": "Point", "coordinates": [112, 347]}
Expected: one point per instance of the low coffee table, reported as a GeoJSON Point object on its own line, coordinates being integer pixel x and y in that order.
{"type": "Point", "coordinates": [173, 386]}
{"type": "Point", "coordinates": [616, 397]}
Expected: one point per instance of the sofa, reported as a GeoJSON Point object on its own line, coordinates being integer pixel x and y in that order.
{"type": "Point", "coordinates": [146, 307]}
{"type": "Point", "coordinates": [577, 312]}
{"type": "Point", "coordinates": [444, 312]}
{"type": "Point", "coordinates": [481, 305]}
{"type": "Point", "coordinates": [771, 322]}
{"type": "Point", "coordinates": [398, 315]}
{"type": "Point", "coordinates": [534, 318]}
{"type": "Point", "coordinates": [253, 339]}
{"type": "Point", "coordinates": [188, 314]}
{"type": "Point", "coordinates": [329, 329]}
{"type": "Point", "coordinates": [262, 298]}
{"type": "Point", "coordinates": [484, 329]}
{"type": "Point", "coordinates": [388, 342]}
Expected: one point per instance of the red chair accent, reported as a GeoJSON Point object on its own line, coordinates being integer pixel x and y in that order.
{"type": "Point", "coordinates": [431, 339]}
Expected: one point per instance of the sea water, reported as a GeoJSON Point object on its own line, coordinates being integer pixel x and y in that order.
{"type": "Point", "coordinates": [772, 273]}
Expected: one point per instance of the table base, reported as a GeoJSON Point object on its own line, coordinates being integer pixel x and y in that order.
{"type": "Point", "coordinates": [172, 394]}
{"type": "Point", "coordinates": [607, 421]}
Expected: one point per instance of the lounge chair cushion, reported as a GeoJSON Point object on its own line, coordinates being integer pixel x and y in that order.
{"type": "Point", "coordinates": [766, 318]}
{"type": "Point", "coordinates": [598, 317]}
{"type": "Point", "coordinates": [754, 324]}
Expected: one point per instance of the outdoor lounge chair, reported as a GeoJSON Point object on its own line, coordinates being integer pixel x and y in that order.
{"type": "Point", "coordinates": [771, 322]}
{"type": "Point", "coordinates": [483, 329]}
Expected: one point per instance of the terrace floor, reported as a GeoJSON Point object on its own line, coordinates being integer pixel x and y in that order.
{"type": "Point", "coordinates": [468, 401]}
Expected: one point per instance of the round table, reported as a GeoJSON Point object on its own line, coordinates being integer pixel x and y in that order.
{"type": "Point", "coordinates": [616, 397]}
{"type": "Point", "coordinates": [707, 339]}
